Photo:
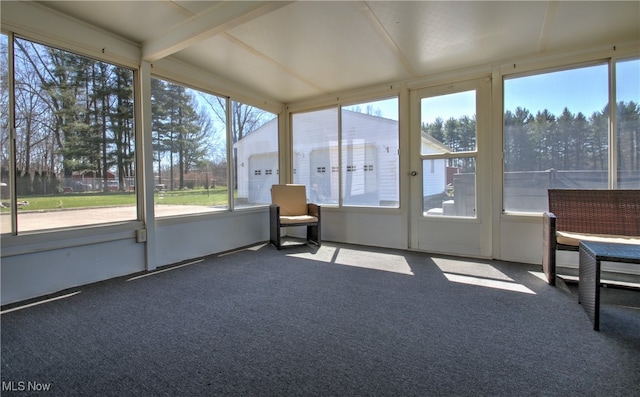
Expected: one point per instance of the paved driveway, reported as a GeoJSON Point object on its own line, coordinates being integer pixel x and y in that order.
{"type": "Point", "coordinates": [29, 221]}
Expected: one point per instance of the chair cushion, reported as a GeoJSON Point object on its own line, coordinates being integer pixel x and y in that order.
{"type": "Point", "coordinates": [292, 199]}
{"type": "Point", "coordinates": [288, 220]}
{"type": "Point", "coordinates": [569, 238]}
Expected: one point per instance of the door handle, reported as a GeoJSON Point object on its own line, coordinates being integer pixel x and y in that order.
{"type": "Point", "coordinates": [414, 173]}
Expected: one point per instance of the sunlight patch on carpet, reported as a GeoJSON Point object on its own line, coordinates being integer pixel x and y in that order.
{"type": "Point", "coordinates": [252, 248]}
{"type": "Point", "coordinates": [479, 274]}
{"type": "Point", "coordinates": [540, 275]}
{"type": "Point", "coordinates": [360, 258]}
{"type": "Point", "coordinates": [470, 268]}
{"type": "Point", "coordinates": [485, 282]}
{"type": "Point", "coordinates": [375, 261]}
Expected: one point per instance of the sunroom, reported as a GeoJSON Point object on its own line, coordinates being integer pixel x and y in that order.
{"type": "Point", "coordinates": [140, 134]}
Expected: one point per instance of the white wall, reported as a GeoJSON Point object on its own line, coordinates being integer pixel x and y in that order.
{"type": "Point", "coordinates": [380, 228]}
{"type": "Point", "coordinates": [202, 235]}
{"type": "Point", "coordinates": [34, 267]}
{"type": "Point", "coordinates": [520, 239]}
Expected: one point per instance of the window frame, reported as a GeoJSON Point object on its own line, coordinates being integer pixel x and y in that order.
{"type": "Point", "coordinates": [70, 231]}
{"type": "Point", "coordinates": [341, 168]}
{"type": "Point", "coordinates": [235, 205]}
{"type": "Point", "coordinates": [227, 135]}
{"type": "Point", "coordinates": [461, 86]}
{"type": "Point", "coordinates": [354, 168]}
{"type": "Point", "coordinates": [551, 65]}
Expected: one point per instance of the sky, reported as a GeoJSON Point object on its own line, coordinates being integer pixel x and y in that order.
{"type": "Point", "coordinates": [580, 90]}
{"type": "Point", "coordinates": [447, 106]}
{"type": "Point", "coordinates": [387, 107]}
{"type": "Point", "coordinates": [628, 74]}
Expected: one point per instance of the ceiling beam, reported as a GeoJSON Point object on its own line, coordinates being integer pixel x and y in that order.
{"type": "Point", "coordinates": [547, 25]}
{"type": "Point", "coordinates": [384, 35]}
{"type": "Point", "coordinates": [215, 20]}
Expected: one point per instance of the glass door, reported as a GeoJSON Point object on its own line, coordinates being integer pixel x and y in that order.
{"type": "Point", "coordinates": [450, 175]}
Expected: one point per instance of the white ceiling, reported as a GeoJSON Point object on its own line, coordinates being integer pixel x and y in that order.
{"type": "Point", "coordinates": [291, 51]}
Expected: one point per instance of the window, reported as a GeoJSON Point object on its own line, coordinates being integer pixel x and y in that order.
{"type": "Point", "coordinates": [5, 160]}
{"type": "Point", "coordinates": [255, 147]}
{"type": "Point", "coordinates": [369, 136]}
{"type": "Point", "coordinates": [628, 123]}
{"type": "Point", "coordinates": [448, 151]}
{"type": "Point", "coordinates": [315, 146]}
{"type": "Point", "coordinates": [364, 165]}
{"type": "Point", "coordinates": [74, 162]}
{"type": "Point", "coordinates": [556, 133]}
{"type": "Point", "coordinates": [189, 150]}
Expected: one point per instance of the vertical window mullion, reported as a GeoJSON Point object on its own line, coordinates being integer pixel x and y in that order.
{"type": "Point", "coordinates": [626, 122]}
{"type": "Point", "coordinates": [230, 159]}
{"type": "Point", "coordinates": [340, 163]}
{"type": "Point", "coordinates": [12, 135]}
{"type": "Point", "coordinates": [613, 128]}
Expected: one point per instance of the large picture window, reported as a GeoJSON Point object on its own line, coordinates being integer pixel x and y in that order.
{"type": "Point", "coordinates": [370, 154]}
{"type": "Point", "coordinates": [556, 133]}
{"type": "Point", "coordinates": [5, 151]}
{"type": "Point", "coordinates": [315, 154]}
{"type": "Point", "coordinates": [74, 157]}
{"type": "Point", "coordinates": [191, 153]}
{"type": "Point", "coordinates": [190, 150]}
{"type": "Point", "coordinates": [354, 163]}
{"type": "Point", "coordinates": [254, 134]}
{"type": "Point", "coordinates": [628, 123]}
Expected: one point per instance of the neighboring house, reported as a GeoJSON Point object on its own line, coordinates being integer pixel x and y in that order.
{"type": "Point", "coordinates": [88, 180]}
{"type": "Point", "coordinates": [434, 171]}
{"type": "Point", "coordinates": [370, 160]}
{"type": "Point", "coordinates": [257, 160]}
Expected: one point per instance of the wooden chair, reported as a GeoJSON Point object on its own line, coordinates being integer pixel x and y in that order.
{"type": "Point", "coordinates": [289, 208]}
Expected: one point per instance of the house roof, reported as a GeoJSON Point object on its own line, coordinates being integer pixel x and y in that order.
{"type": "Point", "coordinates": [315, 121]}
{"type": "Point", "coordinates": [293, 50]}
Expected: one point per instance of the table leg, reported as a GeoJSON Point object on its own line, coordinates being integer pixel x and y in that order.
{"type": "Point", "coordinates": [589, 285]}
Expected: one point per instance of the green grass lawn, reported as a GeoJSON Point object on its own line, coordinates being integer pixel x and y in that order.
{"type": "Point", "coordinates": [215, 196]}
{"type": "Point", "coordinates": [204, 197]}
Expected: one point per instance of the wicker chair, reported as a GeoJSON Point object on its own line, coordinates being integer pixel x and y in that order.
{"type": "Point", "coordinates": [289, 208]}
{"type": "Point", "coordinates": [584, 214]}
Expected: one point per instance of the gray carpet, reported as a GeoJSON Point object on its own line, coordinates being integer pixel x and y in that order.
{"type": "Point", "coordinates": [336, 321]}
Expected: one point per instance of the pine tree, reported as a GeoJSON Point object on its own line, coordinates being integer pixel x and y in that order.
{"type": "Point", "coordinates": [628, 137]}
{"type": "Point", "coordinates": [178, 129]}
{"type": "Point", "coordinates": [121, 124]}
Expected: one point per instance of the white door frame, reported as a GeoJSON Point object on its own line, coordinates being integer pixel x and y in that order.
{"type": "Point", "coordinates": [444, 234]}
